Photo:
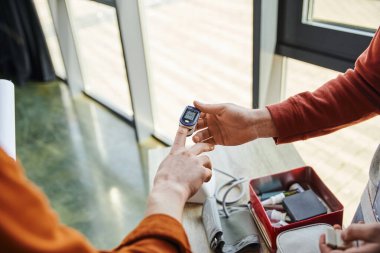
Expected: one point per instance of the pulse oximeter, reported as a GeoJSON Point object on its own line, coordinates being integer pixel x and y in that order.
{"type": "Point", "coordinates": [189, 118]}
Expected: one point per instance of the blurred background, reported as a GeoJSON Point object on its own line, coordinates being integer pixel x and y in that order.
{"type": "Point", "coordinates": [121, 73]}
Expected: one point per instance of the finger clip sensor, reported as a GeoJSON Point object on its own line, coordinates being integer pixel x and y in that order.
{"type": "Point", "coordinates": [189, 118]}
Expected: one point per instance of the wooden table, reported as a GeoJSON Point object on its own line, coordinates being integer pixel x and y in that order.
{"type": "Point", "coordinates": [255, 159]}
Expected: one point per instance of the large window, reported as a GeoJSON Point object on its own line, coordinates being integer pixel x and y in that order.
{"type": "Point", "coordinates": [198, 50]}
{"type": "Point", "coordinates": [100, 53]}
{"type": "Point", "coordinates": [192, 50]}
{"type": "Point", "coordinates": [360, 14]}
{"type": "Point", "coordinates": [301, 37]}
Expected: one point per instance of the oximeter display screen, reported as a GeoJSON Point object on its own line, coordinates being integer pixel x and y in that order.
{"type": "Point", "coordinates": [189, 119]}
{"type": "Point", "coordinates": [190, 115]}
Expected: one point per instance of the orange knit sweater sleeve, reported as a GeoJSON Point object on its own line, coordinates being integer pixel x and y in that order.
{"type": "Point", "coordinates": [28, 224]}
{"type": "Point", "coordinates": [348, 99]}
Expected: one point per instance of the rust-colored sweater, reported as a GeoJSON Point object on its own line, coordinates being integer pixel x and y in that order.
{"type": "Point", "coordinates": [348, 99]}
{"type": "Point", "coordinates": [28, 224]}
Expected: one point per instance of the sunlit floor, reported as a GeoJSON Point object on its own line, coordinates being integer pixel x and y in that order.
{"type": "Point", "coordinates": [84, 158]}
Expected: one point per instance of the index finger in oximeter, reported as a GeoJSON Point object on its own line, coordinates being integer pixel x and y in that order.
{"type": "Point", "coordinates": [189, 118]}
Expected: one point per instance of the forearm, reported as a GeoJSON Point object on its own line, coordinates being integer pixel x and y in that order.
{"type": "Point", "coordinates": [161, 229]}
{"type": "Point", "coordinates": [166, 198]}
{"type": "Point", "coordinates": [262, 122]}
{"type": "Point", "coordinates": [348, 99]}
{"type": "Point", "coordinates": [339, 103]}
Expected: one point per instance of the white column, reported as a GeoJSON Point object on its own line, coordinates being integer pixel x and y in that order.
{"type": "Point", "coordinates": [268, 73]}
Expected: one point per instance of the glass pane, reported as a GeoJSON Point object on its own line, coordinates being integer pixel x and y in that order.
{"type": "Point", "coordinates": [342, 165]}
{"type": "Point", "coordinates": [198, 50]}
{"type": "Point", "coordinates": [101, 55]}
{"type": "Point", "coordinates": [51, 36]}
{"type": "Point", "coordinates": [356, 13]}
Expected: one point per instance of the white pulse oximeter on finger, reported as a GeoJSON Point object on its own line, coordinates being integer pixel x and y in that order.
{"type": "Point", "coordinates": [189, 118]}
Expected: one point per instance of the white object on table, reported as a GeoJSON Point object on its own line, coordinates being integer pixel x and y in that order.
{"type": "Point", "coordinates": [7, 118]}
{"type": "Point", "coordinates": [207, 190]}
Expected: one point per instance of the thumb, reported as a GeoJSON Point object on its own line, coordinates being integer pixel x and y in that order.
{"type": "Point", "coordinates": [209, 108]}
{"type": "Point", "coordinates": [365, 232]}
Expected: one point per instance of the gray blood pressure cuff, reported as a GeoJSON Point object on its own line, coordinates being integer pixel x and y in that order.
{"type": "Point", "coordinates": [236, 233]}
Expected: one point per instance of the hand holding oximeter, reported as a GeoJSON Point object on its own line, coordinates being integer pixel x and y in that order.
{"type": "Point", "coordinates": [189, 118]}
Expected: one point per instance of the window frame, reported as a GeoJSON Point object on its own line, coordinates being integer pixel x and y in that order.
{"type": "Point", "coordinates": [327, 45]}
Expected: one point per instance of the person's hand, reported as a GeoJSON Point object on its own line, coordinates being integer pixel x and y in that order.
{"type": "Point", "coordinates": [179, 176]}
{"type": "Point", "coordinates": [230, 124]}
{"type": "Point", "coordinates": [367, 234]}
{"type": "Point", "coordinates": [183, 167]}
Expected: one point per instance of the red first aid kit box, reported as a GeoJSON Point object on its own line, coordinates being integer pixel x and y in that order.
{"type": "Point", "coordinates": [304, 176]}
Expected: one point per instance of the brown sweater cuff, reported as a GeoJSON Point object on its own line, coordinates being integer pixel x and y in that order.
{"type": "Point", "coordinates": [161, 227]}
{"type": "Point", "coordinates": [284, 116]}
